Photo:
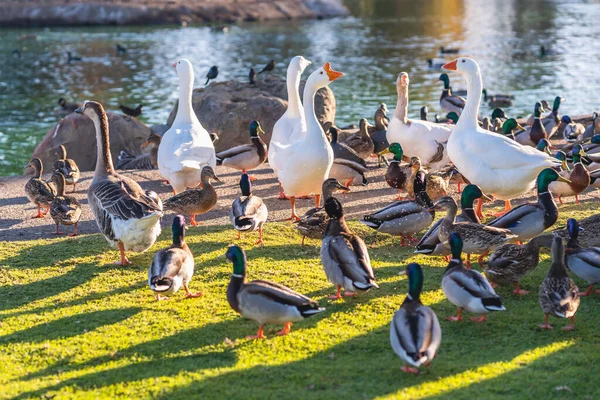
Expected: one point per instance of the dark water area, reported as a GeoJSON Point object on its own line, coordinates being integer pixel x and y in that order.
{"type": "Point", "coordinates": [381, 39]}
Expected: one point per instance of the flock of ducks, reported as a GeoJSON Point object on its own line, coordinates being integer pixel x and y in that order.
{"type": "Point", "coordinates": [308, 162]}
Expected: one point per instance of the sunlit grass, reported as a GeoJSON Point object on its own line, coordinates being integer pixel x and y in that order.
{"type": "Point", "coordinates": [72, 325]}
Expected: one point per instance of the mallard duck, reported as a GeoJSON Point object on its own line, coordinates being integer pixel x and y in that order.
{"type": "Point", "coordinates": [498, 112]}
{"type": "Point", "coordinates": [404, 218]}
{"type": "Point", "coordinates": [263, 301]}
{"type": "Point", "coordinates": [147, 160]}
{"type": "Point", "coordinates": [64, 210]}
{"type": "Point", "coordinates": [530, 219]}
{"type": "Point", "coordinates": [572, 131]}
{"type": "Point", "coordinates": [186, 148]}
{"type": "Point", "coordinates": [303, 166]}
{"type": "Point", "coordinates": [589, 232]}
{"type": "Point", "coordinates": [448, 101]}
{"type": "Point", "coordinates": [584, 262]}
{"type": "Point", "coordinates": [448, 50]}
{"type": "Point", "coordinates": [361, 142]}
{"type": "Point", "coordinates": [465, 288]}
{"type": "Point", "coordinates": [498, 165]}
{"type": "Point", "coordinates": [476, 238]}
{"type": "Point", "coordinates": [436, 183]}
{"type": "Point", "coordinates": [509, 127]}
{"type": "Point", "coordinates": [512, 262]}
{"type": "Point", "coordinates": [293, 121]}
{"type": "Point", "coordinates": [349, 172]}
{"type": "Point", "coordinates": [422, 139]}
{"type": "Point", "coordinates": [536, 132]}
{"type": "Point", "coordinates": [497, 100]}
{"type": "Point", "coordinates": [552, 120]}
{"type": "Point", "coordinates": [173, 267]}
{"type": "Point", "coordinates": [559, 296]}
{"type": "Point", "coordinates": [397, 176]}
{"type": "Point", "coordinates": [430, 243]}
{"type": "Point", "coordinates": [592, 129]}
{"type": "Point", "coordinates": [193, 202]}
{"type": "Point", "coordinates": [381, 145]}
{"type": "Point", "coordinates": [415, 332]}
{"type": "Point", "coordinates": [38, 191]}
{"type": "Point", "coordinates": [248, 212]}
{"type": "Point", "coordinates": [342, 150]}
{"type": "Point", "coordinates": [435, 63]}
{"type": "Point", "coordinates": [314, 222]}
{"type": "Point", "coordinates": [450, 119]}
{"type": "Point", "coordinates": [544, 146]}
{"type": "Point", "coordinates": [423, 113]}
{"type": "Point", "coordinates": [127, 216]}
{"type": "Point", "coordinates": [247, 156]}
{"type": "Point", "coordinates": [578, 178]}
{"type": "Point", "coordinates": [67, 167]}
{"type": "Point", "coordinates": [344, 255]}
{"type": "Point", "coordinates": [380, 118]}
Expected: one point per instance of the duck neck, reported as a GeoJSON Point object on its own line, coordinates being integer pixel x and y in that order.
{"type": "Point", "coordinates": [37, 171]}
{"type": "Point", "coordinates": [185, 113]}
{"type": "Point", "coordinates": [235, 284]}
{"type": "Point", "coordinates": [468, 117]}
{"type": "Point", "coordinates": [450, 214]}
{"type": "Point", "coordinates": [60, 186]}
{"type": "Point", "coordinates": [62, 152]}
{"type": "Point", "coordinates": [312, 123]}
{"type": "Point", "coordinates": [546, 200]}
{"type": "Point", "coordinates": [294, 107]}
{"type": "Point", "coordinates": [336, 226]}
{"type": "Point", "coordinates": [104, 163]}
{"type": "Point", "coordinates": [401, 110]}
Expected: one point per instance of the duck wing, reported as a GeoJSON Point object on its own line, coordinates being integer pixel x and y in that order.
{"type": "Point", "coordinates": [473, 283]}
{"type": "Point", "coordinates": [397, 209]}
{"type": "Point", "coordinates": [235, 151]}
{"type": "Point", "coordinates": [351, 254]}
{"type": "Point", "coordinates": [513, 217]}
{"type": "Point", "coordinates": [415, 333]}
{"type": "Point", "coordinates": [283, 295]}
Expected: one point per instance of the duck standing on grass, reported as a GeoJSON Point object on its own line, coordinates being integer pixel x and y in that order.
{"type": "Point", "coordinates": [304, 164]}
{"type": "Point", "coordinates": [38, 191]}
{"type": "Point", "coordinates": [246, 156]}
{"type": "Point", "coordinates": [173, 267]}
{"type": "Point", "coordinates": [64, 210]}
{"type": "Point", "coordinates": [186, 148]}
{"type": "Point", "coordinates": [466, 288]}
{"type": "Point", "coordinates": [397, 176]}
{"type": "Point", "coordinates": [127, 216]}
{"type": "Point", "coordinates": [67, 167]}
{"type": "Point", "coordinates": [193, 202]}
{"type": "Point", "coordinates": [263, 301]}
{"type": "Point", "coordinates": [344, 255]}
{"type": "Point", "coordinates": [577, 179]}
{"type": "Point", "coordinates": [559, 296]}
{"type": "Point", "coordinates": [415, 332]}
{"type": "Point", "coordinates": [584, 262]}
{"type": "Point", "coordinates": [248, 212]}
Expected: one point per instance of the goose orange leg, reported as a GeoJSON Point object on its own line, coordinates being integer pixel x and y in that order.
{"type": "Point", "coordinates": [294, 216]}
{"type": "Point", "coordinates": [252, 178]}
{"type": "Point", "coordinates": [507, 208]}
{"type": "Point", "coordinates": [286, 329]}
{"type": "Point", "coordinates": [348, 182]}
{"type": "Point", "coordinates": [576, 199]}
{"type": "Point", "coordinates": [124, 260]}
{"type": "Point", "coordinates": [458, 187]}
{"type": "Point", "coordinates": [479, 319]}
{"type": "Point", "coordinates": [317, 200]}
{"type": "Point", "coordinates": [468, 263]}
{"type": "Point", "coordinates": [259, 335]}
{"type": "Point", "coordinates": [282, 195]}
{"type": "Point", "coordinates": [479, 209]}
{"type": "Point", "coordinates": [545, 325]}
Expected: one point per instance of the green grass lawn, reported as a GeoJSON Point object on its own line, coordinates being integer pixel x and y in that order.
{"type": "Point", "coordinates": [75, 326]}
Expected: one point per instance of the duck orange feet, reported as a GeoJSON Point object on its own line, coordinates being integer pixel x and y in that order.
{"type": "Point", "coordinates": [456, 318]}
{"type": "Point", "coordinates": [410, 370]}
{"type": "Point", "coordinates": [259, 335]}
{"type": "Point", "coordinates": [286, 329]}
{"type": "Point", "coordinates": [337, 294]}
{"type": "Point", "coordinates": [479, 319]}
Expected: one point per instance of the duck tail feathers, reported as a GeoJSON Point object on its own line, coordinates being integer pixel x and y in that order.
{"type": "Point", "coordinates": [364, 286]}
{"type": "Point", "coordinates": [310, 309]}
{"type": "Point", "coordinates": [493, 304]}
{"type": "Point", "coordinates": [243, 223]}
{"type": "Point", "coordinates": [370, 221]}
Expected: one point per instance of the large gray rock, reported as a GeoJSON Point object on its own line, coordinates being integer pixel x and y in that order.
{"type": "Point", "coordinates": [77, 134]}
{"type": "Point", "coordinates": [227, 108]}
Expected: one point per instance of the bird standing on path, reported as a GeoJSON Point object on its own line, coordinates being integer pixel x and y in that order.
{"type": "Point", "coordinates": [252, 76]}
{"type": "Point", "coordinates": [213, 72]}
{"type": "Point", "coordinates": [269, 67]}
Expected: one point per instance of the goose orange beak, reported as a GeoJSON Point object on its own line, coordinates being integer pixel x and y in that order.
{"type": "Point", "coordinates": [333, 75]}
{"type": "Point", "coordinates": [451, 66]}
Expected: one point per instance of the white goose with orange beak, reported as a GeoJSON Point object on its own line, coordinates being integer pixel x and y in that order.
{"type": "Point", "coordinates": [498, 165]}
{"type": "Point", "coordinates": [304, 163]}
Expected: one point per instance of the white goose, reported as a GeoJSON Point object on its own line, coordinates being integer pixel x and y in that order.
{"type": "Point", "coordinates": [497, 164]}
{"type": "Point", "coordinates": [304, 164]}
{"type": "Point", "coordinates": [186, 148]}
{"type": "Point", "coordinates": [418, 138]}
{"type": "Point", "coordinates": [292, 122]}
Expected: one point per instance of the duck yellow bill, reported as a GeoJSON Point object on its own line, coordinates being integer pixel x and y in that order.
{"type": "Point", "coordinates": [332, 74]}
{"type": "Point", "coordinates": [383, 152]}
{"type": "Point", "coordinates": [562, 179]}
{"type": "Point", "coordinates": [485, 197]}
{"type": "Point", "coordinates": [259, 130]}
{"type": "Point", "coordinates": [565, 165]}
{"type": "Point", "coordinates": [451, 66]}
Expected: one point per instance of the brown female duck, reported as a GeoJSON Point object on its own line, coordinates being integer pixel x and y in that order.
{"type": "Point", "coordinates": [38, 191]}
{"type": "Point", "coordinates": [67, 167]}
{"type": "Point", "coordinates": [64, 210]}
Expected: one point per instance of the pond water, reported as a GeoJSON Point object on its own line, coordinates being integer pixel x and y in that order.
{"type": "Point", "coordinates": [379, 40]}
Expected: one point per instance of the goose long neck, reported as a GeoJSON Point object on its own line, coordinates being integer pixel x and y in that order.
{"type": "Point", "coordinates": [468, 118]}
{"type": "Point", "coordinates": [104, 163]}
{"type": "Point", "coordinates": [293, 85]}
{"type": "Point", "coordinates": [401, 110]}
{"type": "Point", "coordinates": [312, 123]}
{"type": "Point", "coordinates": [185, 112]}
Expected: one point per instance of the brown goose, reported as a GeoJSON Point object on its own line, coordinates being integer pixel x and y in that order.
{"type": "Point", "coordinates": [128, 216]}
{"type": "Point", "coordinates": [64, 210]}
{"type": "Point", "coordinates": [38, 191]}
{"type": "Point", "coordinates": [67, 167]}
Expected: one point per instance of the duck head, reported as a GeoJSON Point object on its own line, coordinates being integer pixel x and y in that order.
{"type": "Point", "coordinates": [237, 256]}
{"type": "Point", "coordinates": [415, 281]}
{"type": "Point", "coordinates": [323, 76]}
{"type": "Point", "coordinates": [383, 107]}
{"type": "Point", "coordinates": [562, 156]}
{"type": "Point", "coordinates": [245, 185]}
{"type": "Point", "coordinates": [456, 245]}
{"type": "Point", "coordinates": [255, 129]}
{"type": "Point", "coordinates": [544, 146]}
{"type": "Point", "coordinates": [452, 116]}
{"type": "Point", "coordinates": [396, 150]}
{"type": "Point", "coordinates": [510, 125]}
{"type": "Point", "coordinates": [363, 126]}
{"type": "Point", "coordinates": [178, 229]}
{"type": "Point", "coordinates": [299, 63]}
{"type": "Point", "coordinates": [207, 174]}
{"type": "Point", "coordinates": [444, 78]}
{"type": "Point", "coordinates": [556, 104]}
{"type": "Point", "coordinates": [37, 166]}
{"type": "Point", "coordinates": [565, 119]}
{"type": "Point", "coordinates": [445, 203]}
{"type": "Point", "coordinates": [61, 152]}
{"type": "Point", "coordinates": [153, 141]}
{"type": "Point", "coordinates": [331, 185]}
{"type": "Point", "coordinates": [59, 182]}
{"type": "Point", "coordinates": [578, 153]}
{"type": "Point", "coordinates": [546, 177]}
{"type": "Point", "coordinates": [62, 102]}
{"type": "Point", "coordinates": [596, 139]}
{"type": "Point", "coordinates": [333, 208]}
{"type": "Point", "coordinates": [573, 229]}
{"type": "Point", "coordinates": [469, 194]}
{"type": "Point", "coordinates": [415, 163]}
{"type": "Point", "coordinates": [463, 65]}
{"type": "Point", "coordinates": [498, 113]}
{"type": "Point", "coordinates": [537, 110]}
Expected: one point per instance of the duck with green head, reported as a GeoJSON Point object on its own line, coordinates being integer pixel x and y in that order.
{"type": "Point", "coordinates": [552, 120]}
{"type": "Point", "coordinates": [415, 332]}
{"type": "Point", "coordinates": [396, 176]}
{"type": "Point", "coordinates": [536, 132]}
{"type": "Point", "coordinates": [430, 243]}
{"type": "Point", "coordinates": [571, 131]}
{"type": "Point", "coordinates": [448, 101]}
{"type": "Point", "coordinates": [510, 126]}
{"type": "Point", "coordinates": [544, 146]}
{"type": "Point", "coordinates": [38, 191]}
{"type": "Point", "coordinates": [499, 113]}
{"type": "Point", "coordinates": [577, 179]}
{"type": "Point", "coordinates": [263, 301]}
{"type": "Point", "coordinates": [248, 156]}
{"type": "Point", "coordinates": [558, 295]}
{"type": "Point", "coordinates": [172, 267]}
{"type": "Point", "coordinates": [582, 261]}
{"type": "Point", "coordinates": [248, 212]}
{"type": "Point", "coordinates": [467, 289]}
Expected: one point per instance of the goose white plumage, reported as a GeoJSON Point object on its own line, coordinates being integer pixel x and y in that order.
{"type": "Point", "coordinates": [186, 148]}
{"type": "Point", "coordinates": [422, 139]}
{"type": "Point", "coordinates": [304, 164]}
{"type": "Point", "coordinates": [497, 164]}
